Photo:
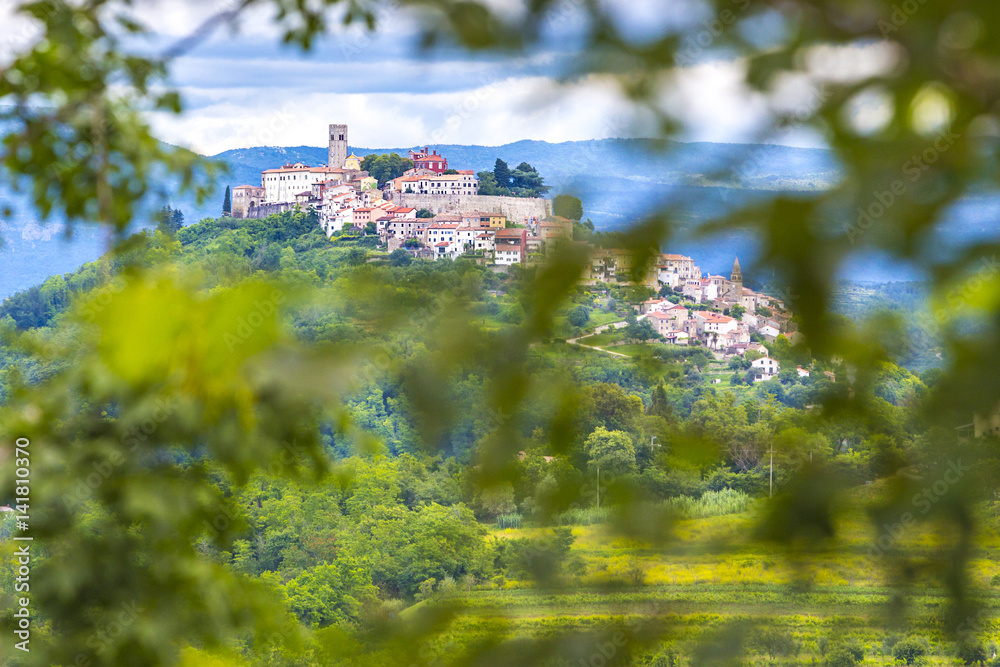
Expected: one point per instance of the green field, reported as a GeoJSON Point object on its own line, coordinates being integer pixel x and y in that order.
{"type": "Point", "coordinates": [689, 589]}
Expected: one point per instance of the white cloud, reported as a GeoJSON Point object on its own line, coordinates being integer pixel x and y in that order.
{"type": "Point", "coordinates": [494, 114]}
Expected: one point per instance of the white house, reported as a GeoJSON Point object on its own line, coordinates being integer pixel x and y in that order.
{"type": "Point", "coordinates": [709, 323]}
{"type": "Point", "coordinates": [803, 373]}
{"type": "Point", "coordinates": [485, 242]}
{"type": "Point", "coordinates": [768, 368]}
{"type": "Point", "coordinates": [769, 331]}
{"type": "Point", "coordinates": [447, 249]}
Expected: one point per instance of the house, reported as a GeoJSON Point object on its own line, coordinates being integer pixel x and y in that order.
{"type": "Point", "coordinates": [282, 184]}
{"type": "Point", "coordinates": [769, 331]}
{"type": "Point", "coordinates": [608, 264]}
{"type": "Point", "coordinates": [511, 246]}
{"type": "Point", "coordinates": [674, 270]}
{"type": "Point", "coordinates": [437, 233]}
{"type": "Point", "coordinates": [552, 229]}
{"type": "Point", "coordinates": [407, 228]}
{"type": "Point", "coordinates": [485, 242]}
{"type": "Point", "coordinates": [767, 368]}
{"type": "Point", "coordinates": [462, 183]}
{"type": "Point", "coordinates": [425, 159]}
{"type": "Point", "coordinates": [6, 508]}
{"type": "Point", "coordinates": [447, 249]}
{"type": "Point", "coordinates": [677, 337]}
{"type": "Point", "coordinates": [244, 198]}
{"type": "Point", "coordinates": [654, 306]}
{"type": "Point", "coordinates": [678, 314]}
{"type": "Point", "coordinates": [803, 373]}
{"type": "Point", "coordinates": [362, 216]}
{"type": "Point", "coordinates": [709, 323]}
{"type": "Point", "coordinates": [661, 322]}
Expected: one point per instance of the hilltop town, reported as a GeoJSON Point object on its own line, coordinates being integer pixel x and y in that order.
{"type": "Point", "coordinates": [431, 211]}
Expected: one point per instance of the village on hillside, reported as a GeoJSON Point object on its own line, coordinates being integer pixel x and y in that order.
{"type": "Point", "coordinates": [431, 211]}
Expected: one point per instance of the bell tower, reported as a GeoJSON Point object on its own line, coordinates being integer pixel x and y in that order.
{"type": "Point", "coordinates": [338, 146]}
{"type": "Point", "coordinates": [737, 280]}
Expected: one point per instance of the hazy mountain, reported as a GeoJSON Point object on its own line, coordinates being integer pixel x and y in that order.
{"type": "Point", "coordinates": [619, 180]}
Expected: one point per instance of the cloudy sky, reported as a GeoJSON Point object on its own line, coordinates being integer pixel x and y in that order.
{"type": "Point", "coordinates": [242, 88]}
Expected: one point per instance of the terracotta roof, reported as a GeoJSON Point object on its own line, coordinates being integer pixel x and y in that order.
{"type": "Point", "coordinates": [714, 317]}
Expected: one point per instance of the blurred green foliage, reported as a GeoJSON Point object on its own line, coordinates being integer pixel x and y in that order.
{"type": "Point", "coordinates": [180, 394]}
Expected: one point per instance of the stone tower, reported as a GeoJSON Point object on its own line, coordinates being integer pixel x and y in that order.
{"type": "Point", "coordinates": [737, 281]}
{"type": "Point", "coordinates": [338, 146]}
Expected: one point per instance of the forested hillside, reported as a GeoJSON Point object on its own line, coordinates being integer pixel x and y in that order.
{"type": "Point", "coordinates": [377, 511]}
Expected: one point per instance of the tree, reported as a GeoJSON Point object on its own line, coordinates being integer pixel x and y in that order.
{"type": "Point", "coordinates": [612, 407]}
{"type": "Point", "coordinates": [567, 206]}
{"type": "Point", "coordinates": [449, 171]}
{"type": "Point", "coordinates": [488, 184]}
{"type": "Point", "coordinates": [579, 316]}
{"type": "Point", "coordinates": [370, 228]}
{"type": "Point", "coordinates": [502, 176]}
{"type": "Point", "coordinates": [658, 404]}
{"type": "Point", "coordinates": [611, 451]}
{"type": "Point", "coordinates": [169, 220]}
{"type": "Point", "coordinates": [737, 312]}
{"type": "Point", "coordinates": [641, 330]}
{"type": "Point", "coordinates": [385, 166]}
{"type": "Point", "coordinates": [424, 213]}
{"type": "Point", "coordinates": [227, 203]}
{"type": "Point", "coordinates": [527, 182]}
{"type": "Point", "coordinates": [400, 257]}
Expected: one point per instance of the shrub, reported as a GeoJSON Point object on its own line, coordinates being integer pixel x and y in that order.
{"type": "Point", "coordinates": [972, 653]}
{"type": "Point", "coordinates": [845, 655]}
{"type": "Point", "coordinates": [911, 650]}
{"type": "Point", "coordinates": [512, 520]}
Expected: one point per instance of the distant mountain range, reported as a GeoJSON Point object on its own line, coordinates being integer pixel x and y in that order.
{"type": "Point", "coordinates": [618, 180]}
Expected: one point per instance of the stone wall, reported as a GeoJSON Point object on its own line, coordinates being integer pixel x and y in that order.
{"type": "Point", "coordinates": [516, 209]}
{"type": "Point", "coordinates": [264, 210]}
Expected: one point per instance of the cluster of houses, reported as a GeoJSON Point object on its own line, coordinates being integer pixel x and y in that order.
{"type": "Point", "coordinates": [749, 312]}
{"type": "Point", "coordinates": [345, 195]}
{"type": "Point", "coordinates": [342, 192]}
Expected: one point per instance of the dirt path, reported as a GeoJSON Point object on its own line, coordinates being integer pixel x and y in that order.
{"type": "Point", "coordinates": [600, 329]}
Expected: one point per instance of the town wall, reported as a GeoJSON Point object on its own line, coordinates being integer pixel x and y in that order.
{"type": "Point", "coordinates": [515, 209]}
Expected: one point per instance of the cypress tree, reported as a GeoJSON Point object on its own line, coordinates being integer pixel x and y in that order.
{"type": "Point", "coordinates": [501, 172]}
{"type": "Point", "coordinates": [227, 203]}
